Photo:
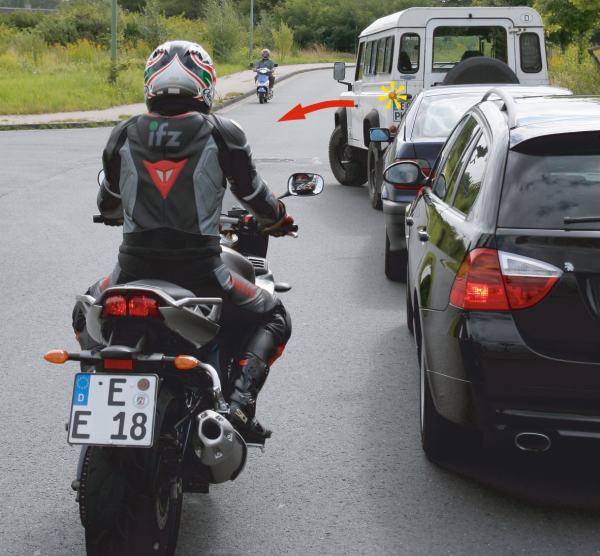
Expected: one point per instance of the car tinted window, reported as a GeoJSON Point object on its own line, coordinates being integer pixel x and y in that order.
{"type": "Point", "coordinates": [550, 178]}
{"type": "Point", "coordinates": [360, 62]}
{"type": "Point", "coordinates": [452, 45]}
{"type": "Point", "coordinates": [408, 60]}
{"type": "Point", "coordinates": [448, 170]}
{"type": "Point", "coordinates": [472, 177]}
{"type": "Point", "coordinates": [438, 115]}
{"type": "Point", "coordinates": [531, 55]}
{"type": "Point", "coordinates": [389, 54]}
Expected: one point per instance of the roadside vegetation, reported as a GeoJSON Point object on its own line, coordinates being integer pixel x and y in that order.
{"type": "Point", "coordinates": [61, 62]}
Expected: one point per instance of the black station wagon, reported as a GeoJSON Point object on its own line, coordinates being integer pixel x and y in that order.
{"type": "Point", "coordinates": [503, 288]}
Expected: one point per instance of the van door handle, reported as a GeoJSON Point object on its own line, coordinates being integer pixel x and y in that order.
{"type": "Point", "coordinates": [423, 235]}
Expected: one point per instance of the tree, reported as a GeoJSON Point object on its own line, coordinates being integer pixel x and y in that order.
{"type": "Point", "coordinates": [283, 39]}
{"type": "Point", "coordinates": [566, 23]}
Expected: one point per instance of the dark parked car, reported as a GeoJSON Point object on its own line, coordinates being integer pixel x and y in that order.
{"type": "Point", "coordinates": [503, 289]}
{"type": "Point", "coordinates": [420, 136]}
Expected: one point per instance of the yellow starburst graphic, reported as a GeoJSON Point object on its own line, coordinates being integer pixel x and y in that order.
{"type": "Point", "coordinates": [392, 96]}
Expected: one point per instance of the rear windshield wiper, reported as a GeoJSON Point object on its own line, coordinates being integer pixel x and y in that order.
{"type": "Point", "coordinates": [581, 219]}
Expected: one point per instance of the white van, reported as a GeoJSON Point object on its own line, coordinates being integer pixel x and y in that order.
{"type": "Point", "coordinates": [421, 48]}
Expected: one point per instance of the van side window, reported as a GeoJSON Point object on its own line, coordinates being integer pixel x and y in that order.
{"type": "Point", "coordinates": [372, 67]}
{"type": "Point", "coordinates": [531, 55]}
{"type": "Point", "coordinates": [410, 45]}
{"type": "Point", "coordinates": [389, 55]}
{"type": "Point", "coordinates": [368, 52]}
{"type": "Point", "coordinates": [472, 178]}
{"type": "Point", "coordinates": [360, 62]}
{"type": "Point", "coordinates": [452, 45]}
{"type": "Point", "coordinates": [380, 55]}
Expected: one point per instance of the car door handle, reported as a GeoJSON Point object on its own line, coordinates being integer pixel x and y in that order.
{"type": "Point", "coordinates": [423, 235]}
{"type": "Point", "coordinates": [410, 221]}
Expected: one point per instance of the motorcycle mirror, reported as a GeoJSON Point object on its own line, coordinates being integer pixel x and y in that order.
{"type": "Point", "coordinates": [305, 185]}
{"type": "Point", "coordinates": [403, 173]}
{"type": "Point", "coordinates": [251, 64]}
{"type": "Point", "coordinates": [276, 66]}
{"type": "Point", "coordinates": [100, 177]}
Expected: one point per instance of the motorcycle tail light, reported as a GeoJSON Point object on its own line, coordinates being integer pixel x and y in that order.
{"type": "Point", "coordinates": [143, 306]}
{"type": "Point", "coordinates": [479, 283]}
{"type": "Point", "coordinates": [115, 306]}
{"type": "Point", "coordinates": [119, 364]}
{"type": "Point", "coordinates": [527, 281]}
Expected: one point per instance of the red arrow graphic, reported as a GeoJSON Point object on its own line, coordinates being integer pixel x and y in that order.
{"type": "Point", "coordinates": [298, 113]}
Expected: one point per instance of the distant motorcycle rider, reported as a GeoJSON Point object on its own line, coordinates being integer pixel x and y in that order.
{"type": "Point", "coordinates": [266, 62]}
{"type": "Point", "coordinates": [165, 177]}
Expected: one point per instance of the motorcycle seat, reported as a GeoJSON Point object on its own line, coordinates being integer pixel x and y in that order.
{"type": "Point", "coordinates": [173, 290]}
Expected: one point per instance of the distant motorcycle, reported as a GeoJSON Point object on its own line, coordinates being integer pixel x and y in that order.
{"type": "Point", "coordinates": [150, 408]}
{"type": "Point", "coordinates": [263, 92]}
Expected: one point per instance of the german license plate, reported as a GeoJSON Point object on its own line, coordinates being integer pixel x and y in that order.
{"type": "Point", "coordinates": [113, 410]}
{"type": "Point", "coordinates": [398, 113]}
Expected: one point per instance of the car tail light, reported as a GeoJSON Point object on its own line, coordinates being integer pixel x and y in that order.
{"type": "Point", "coordinates": [527, 281]}
{"type": "Point", "coordinates": [143, 306]}
{"type": "Point", "coordinates": [393, 130]}
{"type": "Point", "coordinates": [479, 284]}
{"type": "Point", "coordinates": [425, 168]}
{"type": "Point", "coordinates": [115, 306]}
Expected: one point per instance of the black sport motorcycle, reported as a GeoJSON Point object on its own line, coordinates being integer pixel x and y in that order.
{"type": "Point", "coordinates": [149, 407]}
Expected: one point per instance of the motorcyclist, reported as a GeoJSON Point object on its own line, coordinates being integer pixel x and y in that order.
{"type": "Point", "coordinates": [266, 62]}
{"type": "Point", "coordinates": [304, 184]}
{"type": "Point", "coordinates": [165, 177]}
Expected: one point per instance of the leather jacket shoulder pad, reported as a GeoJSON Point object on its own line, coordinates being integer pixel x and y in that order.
{"type": "Point", "coordinates": [230, 132]}
{"type": "Point", "coordinates": [117, 136]}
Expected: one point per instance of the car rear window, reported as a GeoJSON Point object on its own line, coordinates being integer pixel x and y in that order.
{"type": "Point", "coordinates": [452, 45]}
{"type": "Point", "coordinates": [550, 178]}
{"type": "Point", "coordinates": [438, 115]}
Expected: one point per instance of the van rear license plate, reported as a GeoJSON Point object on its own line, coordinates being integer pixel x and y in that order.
{"type": "Point", "coordinates": [113, 410]}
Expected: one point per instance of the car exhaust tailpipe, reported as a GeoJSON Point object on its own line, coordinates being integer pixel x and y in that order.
{"type": "Point", "coordinates": [219, 446]}
{"type": "Point", "coordinates": [532, 441]}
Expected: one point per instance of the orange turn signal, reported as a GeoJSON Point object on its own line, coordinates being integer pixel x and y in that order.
{"type": "Point", "coordinates": [57, 356]}
{"type": "Point", "coordinates": [185, 362]}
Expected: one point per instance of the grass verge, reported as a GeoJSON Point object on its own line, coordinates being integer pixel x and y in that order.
{"type": "Point", "coordinates": [76, 78]}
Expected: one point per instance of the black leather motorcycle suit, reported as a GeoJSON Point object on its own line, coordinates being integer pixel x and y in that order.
{"type": "Point", "coordinates": [166, 177]}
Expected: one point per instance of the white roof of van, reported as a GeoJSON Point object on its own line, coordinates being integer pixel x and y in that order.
{"type": "Point", "coordinates": [418, 17]}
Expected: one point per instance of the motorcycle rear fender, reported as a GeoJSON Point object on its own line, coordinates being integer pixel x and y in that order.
{"type": "Point", "coordinates": [183, 316]}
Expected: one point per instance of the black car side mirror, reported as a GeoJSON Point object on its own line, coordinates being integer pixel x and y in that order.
{"type": "Point", "coordinates": [403, 173]}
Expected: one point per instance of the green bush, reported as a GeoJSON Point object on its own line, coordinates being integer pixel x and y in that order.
{"type": "Point", "coordinates": [582, 79]}
{"type": "Point", "coordinates": [224, 27]}
{"type": "Point", "coordinates": [283, 39]}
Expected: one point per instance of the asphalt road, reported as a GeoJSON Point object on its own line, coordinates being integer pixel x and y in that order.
{"type": "Point", "coordinates": [344, 472]}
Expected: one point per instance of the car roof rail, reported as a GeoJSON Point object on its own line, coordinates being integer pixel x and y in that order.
{"type": "Point", "coordinates": [509, 103]}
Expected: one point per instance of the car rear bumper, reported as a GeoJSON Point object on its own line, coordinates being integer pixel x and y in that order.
{"type": "Point", "coordinates": [483, 375]}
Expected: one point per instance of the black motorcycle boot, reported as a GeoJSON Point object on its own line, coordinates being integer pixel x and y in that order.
{"type": "Point", "coordinates": [249, 379]}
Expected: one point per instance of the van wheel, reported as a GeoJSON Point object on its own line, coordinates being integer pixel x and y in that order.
{"type": "Point", "coordinates": [345, 162]}
{"type": "Point", "coordinates": [374, 173]}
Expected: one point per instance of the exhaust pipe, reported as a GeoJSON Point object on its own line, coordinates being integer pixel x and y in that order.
{"type": "Point", "coordinates": [219, 446]}
{"type": "Point", "coordinates": [532, 442]}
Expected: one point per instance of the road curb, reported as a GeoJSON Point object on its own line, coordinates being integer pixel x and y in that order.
{"type": "Point", "coordinates": [112, 123]}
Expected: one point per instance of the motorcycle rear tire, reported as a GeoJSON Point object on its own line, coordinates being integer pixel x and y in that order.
{"type": "Point", "coordinates": [128, 496]}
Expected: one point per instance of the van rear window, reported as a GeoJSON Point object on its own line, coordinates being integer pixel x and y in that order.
{"type": "Point", "coordinates": [452, 45]}
{"type": "Point", "coordinates": [552, 178]}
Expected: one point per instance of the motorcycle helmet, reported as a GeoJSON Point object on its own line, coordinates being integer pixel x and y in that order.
{"type": "Point", "coordinates": [180, 69]}
{"type": "Point", "coordinates": [265, 53]}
